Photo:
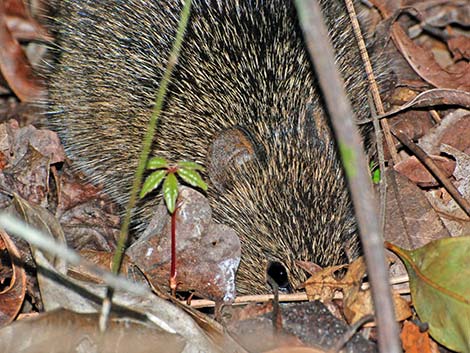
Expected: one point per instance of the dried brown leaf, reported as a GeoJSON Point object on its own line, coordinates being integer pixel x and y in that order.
{"type": "Point", "coordinates": [12, 295]}
{"type": "Point", "coordinates": [67, 331]}
{"type": "Point", "coordinates": [15, 66]}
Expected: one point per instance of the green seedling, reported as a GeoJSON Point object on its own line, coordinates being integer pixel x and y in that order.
{"type": "Point", "coordinates": [168, 173]}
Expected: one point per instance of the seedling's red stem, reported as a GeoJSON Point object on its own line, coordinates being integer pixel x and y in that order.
{"type": "Point", "coordinates": [173, 283]}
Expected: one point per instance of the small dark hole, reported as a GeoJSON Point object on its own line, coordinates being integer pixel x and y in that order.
{"type": "Point", "coordinates": [214, 243]}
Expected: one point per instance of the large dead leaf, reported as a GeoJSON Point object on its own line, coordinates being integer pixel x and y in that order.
{"type": "Point", "coordinates": [207, 253]}
{"type": "Point", "coordinates": [64, 331]}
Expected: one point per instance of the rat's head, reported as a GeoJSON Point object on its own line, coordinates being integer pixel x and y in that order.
{"type": "Point", "coordinates": [282, 189]}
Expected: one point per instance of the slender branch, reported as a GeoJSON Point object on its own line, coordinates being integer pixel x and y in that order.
{"type": "Point", "coordinates": [173, 282]}
{"type": "Point", "coordinates": [374, 89]}
{"type": "Point", "coordinates": [355, 165]}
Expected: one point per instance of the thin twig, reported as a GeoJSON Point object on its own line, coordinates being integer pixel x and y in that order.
{"type": "Point", "coordinates": [374, 89]}
{"type": "Point", "coordinates": [287, 298]}
{"type": "Point", "coordinates": [355, 166]}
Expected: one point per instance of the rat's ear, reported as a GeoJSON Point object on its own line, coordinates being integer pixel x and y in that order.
{"type": "Point", "coordinates": [229, 150]}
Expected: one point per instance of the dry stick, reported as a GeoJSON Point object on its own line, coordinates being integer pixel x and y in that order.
{"type": "Point", "coordinates": [434, 169]}
{"type": "Point", "coordinates": [378, 109]}
{"type": "Point", "coordinates": [292, 297]}
{"type": "Point", "coordinates": [147, 143]}
{"type": "Point", "coordinates": [355, 165]}
{"type": "Point", "coordinates": [373, 86]}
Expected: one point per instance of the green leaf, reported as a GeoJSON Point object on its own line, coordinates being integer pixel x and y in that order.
{"type": "Point", "coordinates": [192, 177]}
{"type": "Point", "coordinates": [440, 289]}
{"type": "Point", "coordinates": [190, 165]}
{"type": "Point", "coordinates": [376, 176]}
{"type": "Point", "coordinates": [152, 182]}
{"type": "Point", "coordinates": [170, 192]}
{"type": "Point", "coordinates": [157, 163]}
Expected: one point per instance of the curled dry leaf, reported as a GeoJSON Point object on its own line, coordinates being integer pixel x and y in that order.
{"type": "Point", "coordinates": [323, 284]}
{"type": "Point", "coordinates": [41, 219]}
{"type": "Point", "coordinates": [15, 141]}
{"type": "Point", "coordinates": [358, 302]}
{"type": "Point", "coordinates": [21, 24]}
{"type": "Point", "coordinates": [11, 295]}
{"type": "Point", "coordinates": [89, 219]}
{"type": "Point", "coordinates": [15, 66]}
{"type": "Point", "coordinates": [454, 130]}
{"type": "Point", "coordinates": [433, 97]}
{"type": "Point", "coordinates": [424, 64]}
{"type": "Point", "coordinates": [29, 177]}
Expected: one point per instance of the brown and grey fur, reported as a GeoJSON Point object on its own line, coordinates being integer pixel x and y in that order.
{"type": "Point", "coordinates": [243, 65]}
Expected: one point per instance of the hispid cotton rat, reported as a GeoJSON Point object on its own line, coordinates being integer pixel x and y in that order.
{"type": "Point", "coordinates": [243, 102]}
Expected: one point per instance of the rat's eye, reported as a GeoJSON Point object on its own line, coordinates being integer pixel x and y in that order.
{"type": "Point", "coordinates": [278, 273]}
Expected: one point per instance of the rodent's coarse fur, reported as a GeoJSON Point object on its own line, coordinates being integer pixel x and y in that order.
{"type": "Point", "coordinates": [243, 68]}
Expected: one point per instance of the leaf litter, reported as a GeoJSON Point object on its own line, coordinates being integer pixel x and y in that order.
{"type": "Point", "coordinates": [431, 69]}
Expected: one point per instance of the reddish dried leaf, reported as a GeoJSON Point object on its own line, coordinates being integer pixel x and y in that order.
{"type": "Point", "coordinates": [415, 341]}
{"type": "Point", "coordinates": [90, 220]}
{"type": "Point", "coordinates": [412, 123]}
{"type": "Point", "coordinates": [460, 47]}
{"type": "Point", "coordinates": [424, 64]}
{"type": "Point", "coordinates": [21, 24]}
{"type": "Point", "coordinates": [29, 177]}
{"type": "Point", "coordinates": [414, 170]}
{"type": "Point", "coordinates": [12, 297]}
{"type": "Point", "coordinates": [73, 190]}
{"type": "Point", "coordinates": [15, 8]}
{"type": "Point", "coordinates": [14, 65]}
{"type": "Point", "coordinates": [412, 221]}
